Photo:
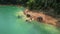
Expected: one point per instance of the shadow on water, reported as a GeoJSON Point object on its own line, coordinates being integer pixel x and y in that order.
{"type": "Point", "coordinates": [10, 24]}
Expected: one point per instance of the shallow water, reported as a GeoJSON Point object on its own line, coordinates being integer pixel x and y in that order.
{"type": "Point", "coordinates": [11, 24]}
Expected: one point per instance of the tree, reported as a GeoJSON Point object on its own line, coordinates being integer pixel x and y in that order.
{"type": "Point", "coordinates": [49, 7]}
{"type": "Point", "coordinates": [44, 5]}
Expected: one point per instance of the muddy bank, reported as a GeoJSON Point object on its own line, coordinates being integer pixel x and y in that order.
{"type": "Point", "coordinates": [46, 18]}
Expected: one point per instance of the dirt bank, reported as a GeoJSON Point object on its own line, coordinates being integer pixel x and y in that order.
{"type": "Point", "coordinates": [46, 18]}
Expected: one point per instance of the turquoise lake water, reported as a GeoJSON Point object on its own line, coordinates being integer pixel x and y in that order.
{"type": "Point", "coordinates": [11, 24]}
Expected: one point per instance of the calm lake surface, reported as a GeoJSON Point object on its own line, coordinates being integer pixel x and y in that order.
{"type": "Point", "coordinates": [11, 24]}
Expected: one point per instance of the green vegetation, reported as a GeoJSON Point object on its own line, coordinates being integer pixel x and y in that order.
{"type": "Point", "coordinates": [51, 7]}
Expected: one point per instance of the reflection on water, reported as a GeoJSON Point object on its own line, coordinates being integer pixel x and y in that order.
{"type": "Point", "coordinates": [11, 24]}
